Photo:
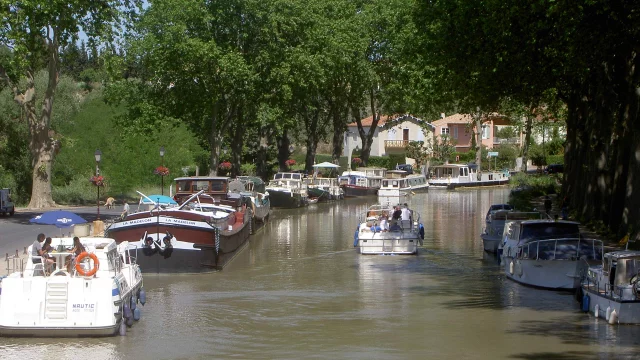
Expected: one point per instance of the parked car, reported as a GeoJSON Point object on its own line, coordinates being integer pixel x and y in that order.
{"type": "Point", "coordinates": [554, 169]}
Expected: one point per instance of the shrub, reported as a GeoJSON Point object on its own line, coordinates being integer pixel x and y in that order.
{"type": "Point", "coordinates": [78, 191]}
{"type": "Point", "coordinates": [248, 169]}
{"type": "Point", "coordinates": [555, 159]}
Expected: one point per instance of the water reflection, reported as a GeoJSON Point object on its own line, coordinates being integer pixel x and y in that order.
{"type": "Point", "coordinates": [300, 290]}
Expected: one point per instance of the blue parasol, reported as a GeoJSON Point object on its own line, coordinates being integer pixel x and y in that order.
{"type": "Point", "coordinates": [59, 218]}
{"type": "Point", "coordinates": [159, 199]}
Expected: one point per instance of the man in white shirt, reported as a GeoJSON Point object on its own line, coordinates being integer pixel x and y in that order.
{"type": "Point", "coordinates": [406, 213]}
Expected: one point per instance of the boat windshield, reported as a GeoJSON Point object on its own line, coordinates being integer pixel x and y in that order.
{"type": "Point", "coordinates": [548, 230]}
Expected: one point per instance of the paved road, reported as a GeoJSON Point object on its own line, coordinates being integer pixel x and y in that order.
{"type": "Point", "coordinates": [16, 232]}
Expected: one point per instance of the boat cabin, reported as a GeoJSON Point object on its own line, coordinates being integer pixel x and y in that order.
{"type": "Point", "coordinates": [394, 184]}
{"type": "Point", "coordinates": [621, 267]}
{"type": "Point", "coordinates": [287, 180]}
{"type": "Point", "coordinates": [217, 187]}
{"type": "Point", "coordinates": [531, 230]}
{"type": "Point", "coordinates": [363, 177]}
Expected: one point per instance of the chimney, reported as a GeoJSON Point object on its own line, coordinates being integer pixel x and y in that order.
{"type": "Point", "coordinates": [442, 115]}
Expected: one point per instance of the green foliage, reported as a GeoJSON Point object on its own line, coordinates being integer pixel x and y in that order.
{"type": "Point", "coordinates": [555, 159]}
{"type": "Point", "coordinates": [526, 187]}
{"type": "Point", "coordinates": [248, 169]}
{"type": "Point", "coordinates": [79, 191]}
{"type": "Point", "coordinates": [443, 149]}
{"type": "Point", "coordinates": [507, 132]}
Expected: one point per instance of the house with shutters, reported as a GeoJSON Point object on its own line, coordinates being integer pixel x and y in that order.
{"type": "Point", "coordinates": [461, 128]}
{"type": "Point", "coordinates": [391, 136]}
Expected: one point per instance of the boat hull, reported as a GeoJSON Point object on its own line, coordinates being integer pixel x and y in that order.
{"type": "Point", "coordinates": [548, 274]}
{"type": "Point", "coordinates": [628, 311]}
{"type": "Point", "coordinates": [18, 331]}
{"type": "Point", "coordinates": [443, 184]}
{"type": "Point", "coordinates": [281, 199]}
{"type": "Point", "coordinates": [490, 243]}
{"type": "Point", "coordinates": [355, 191]}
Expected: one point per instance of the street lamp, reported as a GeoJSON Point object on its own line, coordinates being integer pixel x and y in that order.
{"type": "Point", "coordinates": [162, 174]}
{"type": "Point", "coordinates": [98, 155]}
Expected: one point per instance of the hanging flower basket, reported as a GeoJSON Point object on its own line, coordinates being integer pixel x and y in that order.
{"type": "Point", "coordinates": [225, 165]}
{"type": "Point", "coordinates": [97, 180]}
{"type": "Point", "coordinates": [161, 170]}
{"type": "Point", "coordinates": [356, 161]}
{"type": "Point", "coordinates": [290, 162]}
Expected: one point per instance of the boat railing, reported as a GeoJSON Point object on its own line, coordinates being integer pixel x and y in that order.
{"type": "Point", "coordinates": [561, 249]}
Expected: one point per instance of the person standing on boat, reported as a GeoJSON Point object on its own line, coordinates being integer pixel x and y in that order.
{"type": "Point", "coordinates": [397, 214]}
{"type": "Point", "coordinates": [406, 213]}
{"type": "Point", "coordinates": [125, 210]}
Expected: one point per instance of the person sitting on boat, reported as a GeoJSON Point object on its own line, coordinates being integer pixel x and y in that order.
{"type": "Point", "coordinates": [384, 224]}
{"type": "Point", "coordinates": [46, 253]}
{"type": "Point", "coordinates": [395, 226]}
{"type": "Point", "coordinates": [76, 250]}
{"type": "Point", "coordinates": [397, 214]}
{"type": "Point", "coordinates": [37, 254]}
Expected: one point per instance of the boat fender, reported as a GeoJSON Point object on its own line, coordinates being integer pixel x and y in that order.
{"type": "Point", "coordinates": [133, 302]}
{"type": "Point", "coordinates": [126, 310]}
{"type": "Point", "coordinates": [608, 313]}
{"type": "Point", "coordinates": [596, 311]}
{"type": "Point", "coordinates": [123, 329]}
{"type": "Point", "coordinates": [585, 303]}
{"type": "Point", "coordinates": [355, 238]}
{"type": "Point", "coordinates": [130, 322]}
{"type": "Point", "coordinates": [421, 232]}
{"type": "Point", "coordinates": [613, 318]}
{"type": "Point", "coordinates": [137, 314]}
{"type": "Point", "coordinates": [142, 296]}
{"type": "Point", "coordinates": [511, 268]}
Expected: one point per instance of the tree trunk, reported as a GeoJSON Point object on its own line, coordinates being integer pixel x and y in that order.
{"type": "Point", "coordinates": [478, 116]}
{"type": "Point", "coordinates": [339, 130]}
{"type": "Point", "coordinates": [367, 137]}
{"type": "Point", "coordinates": [237, 144]}
{"type": "Point", "coordinates": [283, 143]}
{"type": "Point", "coordinates": [262, 169]}
{"type": "Point", "coordinates": [527, 142]}
{"type": "Point", "coordinates": [312, 139]}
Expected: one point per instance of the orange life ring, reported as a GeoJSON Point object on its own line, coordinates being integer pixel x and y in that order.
{"type": "Point", "coordinates": [96, 264]}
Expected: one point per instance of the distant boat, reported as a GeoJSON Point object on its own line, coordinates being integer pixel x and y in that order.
{"type": "Point", "coordinates": [288, 190]}
{"type": "Point", "coordinates": [451, 176]}
{"type": "Point", "coordinates": [324, 188]}
{"type": "Point", "coordinates": [253, 189]}
{"type": "Point", "coordinates": [362, 182]}
{"type": "Point", "coordinates": [399, 183]}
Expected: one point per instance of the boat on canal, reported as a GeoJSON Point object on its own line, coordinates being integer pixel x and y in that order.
{"type": "Point", "coordinates": [253, 189]}
{"type": "Point", "coordinates": [495, 220]}
{"type": "Point", "coordinates": [288, 190]}
{"type": "Point", "coordinates": [98, 297]}
{"type": "Point", "coordinates": [202, 234]}
{"type": "Point", "coordinates": [378, 234]}
{"type": "Point", "coordinates": [610, 290]}
{"type": "Point", "coordinates": [547, 254]}
{"type": "Point", "coordinates": [324, 188]}
{"type": "Point", "coordinates": [362, 181]}
{"type": "Point", "coordinates": [451, 176]}
{"type": "Point", "coordinates": [399, 183]}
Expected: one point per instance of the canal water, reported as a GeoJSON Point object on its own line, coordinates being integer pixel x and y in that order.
{"type": "Point", "coordinates": [300, 290]}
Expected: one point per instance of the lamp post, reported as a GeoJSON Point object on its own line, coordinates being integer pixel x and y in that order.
{"type": "Point", "coordinates": [98, 155]}
{"type": "Point", "coordinates": [162, 175]}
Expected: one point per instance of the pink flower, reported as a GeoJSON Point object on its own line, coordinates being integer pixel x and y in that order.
{"type": "Point", "coordinates": [225, 165]}
{"type": "Point", "coordinates": [356, 161]}
{"type": "Point", "coordinates": [97, 180]}
{"type": "Point", "coordinates": [290, 162]}
{"type": "Point", "coordinates": [161, 170]}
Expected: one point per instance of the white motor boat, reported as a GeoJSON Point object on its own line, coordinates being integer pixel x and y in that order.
{"type": "Point", "coordinates": [400, 184]}
{"type": "Point", "coordinates": [611, 290]}
{"type": "Point", "coordinates": [451, 176]}
{"type": "Point", "coordinates": [547, 254]}
{"type": "Point", "coordinates": [373, 236]}
{"type": "Point", "coordinates": [98, 297]}
{"type": "Point", "coordinates": [495, 220]}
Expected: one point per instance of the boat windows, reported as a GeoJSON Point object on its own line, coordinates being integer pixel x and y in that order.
{"type": "Point", "coordinates": [547, 230]}
{"type": "Point", "coordinates": [182, 185]}
{"type": "Point", "coordinates": [385, 183]}
{"type": "Point", "coordinates": [217, 186]}
{"type": "Point", "coordinates": [461, 171]}
{"type": "Point", "coordinates": [466, 172]}
{"type": "Point", "coordinates": [200, 185]}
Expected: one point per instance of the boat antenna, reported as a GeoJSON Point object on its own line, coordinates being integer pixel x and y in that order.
{"type": "Point", "coordinates": [189, 199]}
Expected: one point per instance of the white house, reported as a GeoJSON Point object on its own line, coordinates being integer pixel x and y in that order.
{"type": "Point", "coordinates": [392, 134]}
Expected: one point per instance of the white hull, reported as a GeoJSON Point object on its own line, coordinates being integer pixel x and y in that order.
{"type": "Point", "coordinates": [550, 274]}
{"type": "Point", "coordinates": [628, 312]}
{"type": "Point", "coordinates": [388, 243]}
{"type": "Point", "coordinates": [67, 304]}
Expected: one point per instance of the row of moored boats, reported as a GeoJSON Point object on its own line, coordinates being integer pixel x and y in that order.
{"type": "Point", "coordinates": [548, 253]}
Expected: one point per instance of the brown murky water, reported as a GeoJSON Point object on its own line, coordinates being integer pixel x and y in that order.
{"type": "Point", "coordinates": [300, 290]}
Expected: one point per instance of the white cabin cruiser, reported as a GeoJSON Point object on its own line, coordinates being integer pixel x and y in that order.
{"type": "Point", "coordinates": [97, 298]}
{"type": "Point", "coordinates": [495, 220]}
{"type": "Point", "coordinates": [547, 254]}
{"type": "Point", "coordinates": [400, 184]}
{"type": "Point", "coordinates": [611, 289]}
{"type": "Point", "coordinates": [451, 176]}
{"type": "Point", "coordinates": [378, 234]}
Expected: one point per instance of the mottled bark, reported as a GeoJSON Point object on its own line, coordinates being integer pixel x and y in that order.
{"type": "Point", "coordinates": [283, 144]}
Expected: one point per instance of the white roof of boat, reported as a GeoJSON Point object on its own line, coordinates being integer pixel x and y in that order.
{"type": "Point", "coordinates": [549, 221]}
{"type": "Point", "coordinates": [621, 254]}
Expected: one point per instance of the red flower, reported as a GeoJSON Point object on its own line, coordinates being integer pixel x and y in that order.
{"type": "Point", "coordinates": [97, 180]}
{"type": "Point", "coordinates": [161, 170]}
{"type": "Point", "coordinates": [290, 162]}
{"type": "Point", "coordinates": [225, 165]}
{"type": "Point", "coordinates": [356, 161]}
